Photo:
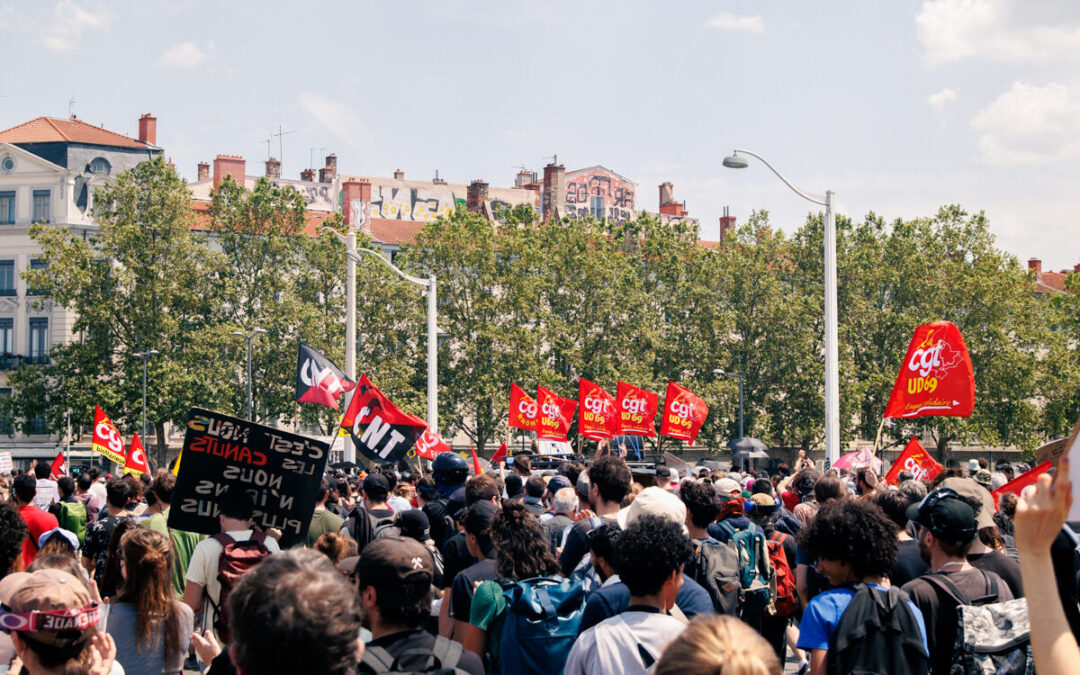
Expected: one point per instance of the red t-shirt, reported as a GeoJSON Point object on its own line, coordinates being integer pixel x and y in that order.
{"type": "Point", "coordinates": [39, 523]}
{"type": "Point", "coordinates": [791, 499]}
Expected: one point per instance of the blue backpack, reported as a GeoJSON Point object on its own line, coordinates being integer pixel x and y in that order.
{"type": "Point", "coordinates": [542, 621]}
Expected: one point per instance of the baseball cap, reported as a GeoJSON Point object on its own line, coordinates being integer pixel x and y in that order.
{"type": "Point", "coordinates": [727, 487]}
{"type": "Point", "coordinates": [764, 503]}
{"type": "Point", "coordinates": [654, 501]}
{"type": "Point", "coordinates": [398, 564]}
{"type": "Point", "coordinates": [983, 478]}
{"type": "Point", "coordinates": [52, 607]}
{"type": "Point", "coordinates": [376, 481]}
{"type": "Point", "coordinates": [947, 515]}
{"type": "Point", "coordinates": [413, 524]}
{"type": "Point", "coordinates": [974, 492]}
{"type": "Point", "coordinates": [71, 537]}
{"type": "Point", "coordinates": [557, 483]}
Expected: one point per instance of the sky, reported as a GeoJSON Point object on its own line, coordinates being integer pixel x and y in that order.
{"type": "Point", "coordinates": [898, 107]}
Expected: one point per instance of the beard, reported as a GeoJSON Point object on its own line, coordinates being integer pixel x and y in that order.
{"type": "Point", "coordinates": [924, 550]}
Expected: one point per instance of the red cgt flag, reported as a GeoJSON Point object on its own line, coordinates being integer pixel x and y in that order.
{"type": "Point", "coordinates": [522, 409]}
{"type": "Point", "coordinates": [554, 415]}
{"type": "Point", "coordinates": [598, 415]}
{"type": "Point", "coordinates": [915, 459]}
{"type": "Point", "coordinates": [684, 413]}
{"type": "Point", "coordinates": [1017, 485]}
{"type": "Point", "coordinates": [637, 409]}
{"type": "Point", "coordinates": [59, 466]}
{"type": "Point", "coordinates": [501, 453]}
{"type": "Point", "coordinates": [136, 459]}
{"type": "Point", "coordinates": [936, 378]}
{"type": "Point", "coordinates": [107, 440]}
{"type": "Point", "coordinates": [430, 444]}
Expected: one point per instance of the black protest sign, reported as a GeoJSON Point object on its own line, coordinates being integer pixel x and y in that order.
{"type": "Point", "coordinates": [379, 430]}
{"type": "Point", "coordinates": [281, 471]}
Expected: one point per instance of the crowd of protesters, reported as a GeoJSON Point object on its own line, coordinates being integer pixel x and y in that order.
{"type": "Point", "coordinates": [577, 569]}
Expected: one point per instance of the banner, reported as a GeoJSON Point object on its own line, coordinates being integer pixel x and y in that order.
{"type": "Point", "coordinates": [5, 463]}
{"type": "Point", "coordinates": [136, 458]}
{"type": "Point", "coordinates": [554, 415]}
{"type": "Point", "coordinates": [597, 419]}
{"type": "Point", "coordinates": [936, 378]}
{"type": "Point", "coordinates": [318, 380]}
{"type": "Point", "coordinates": [107, 440]}
{"type": "Point", "coordinates": [477, 469]}
{"type": "Point", "coordinates": [915, 459]}
{"type": "Point", "coordinates": [379, 430]}
{"type": "Point", "coordinates": [280, 470]}
{"type": "Point", "coordinates": [637, 409]}
{"type": "Point", "coordinates": [1017, 485]}
{"type": "Point", "coordinates": [522, 409]}
{"type": "Point", "coordinates": [430, 444]}
{"type": "Point", "coordinates": [501, 453]}
{"type": "Point", "coordinates": [59, 466]}
{"type": "Point", "coordinates": [1072, 451]}
{"type": "Point", "coordinates": [684, 413]}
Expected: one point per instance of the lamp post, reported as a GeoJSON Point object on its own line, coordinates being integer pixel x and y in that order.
{"type": "Point", "coordinates": [832, 370]}
{"type": "Point", "coordinates": [722, 373]}
{"type": "Point", "coordinates": [144, 355]}
{"type": "Point", "coordinates": [248, 337]}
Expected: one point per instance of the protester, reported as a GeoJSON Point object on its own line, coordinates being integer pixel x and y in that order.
{"type": "Point", "coordinates": [112, 575]}
{"type": "Point", "coordinates": [96, 547]}
{"type": "Point", "coordinates": [478, 520]}
{"type": "Point", "coordinates": [535, 487]}
{"type": "Point", "coordinates": [515, 488]}
{"type": "Point", "coordinates": [87, 498]}
{"type": "Point", "coordinates": [565, 507]}
{"type": "Point", "coordinates": [456, 553]}
{"type": "Point", "coordinates": [376, 518]}
{"type": "Point", "coordinates": [335, 546]}
{"type": "Point", "coordinates": [323, 520]}
{"type": "Point", "coordinates": [59, 542]}
{"type": "Point", "coordinates": [46, 492]}
{"type": "Point", "coordinates": [397, 503]}
{"type": "Point", "coordinates": [183, 543]}
{"type": "Point", "coordinates": [720, 645]}
{"type": "Point", "coordinates": [609, 482]}
{"type": "Point", "coordinates": [702, 509]}
{"type": "Point", "coordinates": [602, 550]}
{"type": "Point", "coordinates": [522, 465]}
{"type": "Point", "coordinates": [987, 551]}
{"type": "Point", "coordinates": [909, 562]}
{"type": "Point", "coordinates": [449, 471]}
{"type": "Point", "coordinates": [13, 533]}
{"type": "Point", "coordinates": [150, 626]}
{"type": "Point", "coordinates": [773, 625]}
{"type": "Point", "coordinates": [413, 524]}
{"type": "Point", "coordinates": [37, 521]}
{"type": "Point", "coordinates": [69, 511]}
{"type": "Point", "coordinates": [649, 556]}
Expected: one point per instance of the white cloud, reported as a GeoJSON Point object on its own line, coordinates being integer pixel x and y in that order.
{"type": "Point", "coordinates": [1031, 124]}
{"type": "Point", "coordinates": [336, 117]}
{"type": "Point", "coordinates": [185, 55]}
{"type": "Point", "coordinates": [939, 100]}
{"type": "Point", "coordinates": [68, 22]}
{"type": "Point", "coordinates": [736, 22]}
{"type": "Point", "coordinates": [997, 30]}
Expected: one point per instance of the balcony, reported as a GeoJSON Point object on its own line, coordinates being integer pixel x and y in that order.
{"type": "Point", "coordinates": [14, 362]}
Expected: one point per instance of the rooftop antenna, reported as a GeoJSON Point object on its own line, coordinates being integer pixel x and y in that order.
{"type": "Point", "coordinates": [281, 151]}
{"type": "Point", "coordinates": [268, 140]}
{"type": "Point", "coordinates": [71, 109]}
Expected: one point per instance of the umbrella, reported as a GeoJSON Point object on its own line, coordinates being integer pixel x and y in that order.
{"type": "Point", "coordinates": [859, 458]}
{"type": "Point", "coordinates": [710, 464]}
{"type": "Point", "coordinates": [750, 445]}
{"type": "Point", "coordinates": [347, 466]}
{"type": "Point", "coordinates": [749, 454]}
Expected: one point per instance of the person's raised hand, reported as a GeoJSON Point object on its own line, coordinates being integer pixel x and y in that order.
{"type": "Point", "coordinates": [206, 646]}
{"type": "Point", "coordinates": [1041, 512]}
{"type": "Point", "coordinates": [102, 654]}
{"type": "Point", "coordinates": [583, 514]}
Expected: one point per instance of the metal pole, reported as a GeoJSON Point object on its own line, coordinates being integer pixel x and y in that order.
{"type": "Point", "coordinates": [349, 454]}
{"type": "Point", "coordinates": [248, 338]}
{"type": "Point", "coordinates": [741, 435]}
{"type": "Point", "coordinates": [67, 441]}
{"type": "Point", "coordinates": [832, 369]}
{"type": "Point", "coordinates": [145, 356]}
{"type": "Point", "coordinates": [432, 355]}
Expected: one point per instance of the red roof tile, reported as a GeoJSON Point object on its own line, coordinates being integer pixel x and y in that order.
{"type": "Point", "coordinates": [396, 232]}
{"type": "Point", "coordinates": [52, 130]}
{"type": "Point", "coordinates": [1054, 280]}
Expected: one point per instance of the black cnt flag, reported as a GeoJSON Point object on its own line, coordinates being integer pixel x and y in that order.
{"type": "Point", "coordinates": [379, 430]}
{"type": "Point", "coordinates": [318, 380]}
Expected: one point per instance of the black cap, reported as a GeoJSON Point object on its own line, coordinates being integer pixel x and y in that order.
{"type": "Point", "coordinates": [557, 483]}
{"type": "Point", "coordinates": [413, 524]}
{"type": "Point", "coordinates": [947, 515]}
{"type": "Point", "coordinates": [402, 565]}
{"type": "Point", "coordinates": [376, 481]}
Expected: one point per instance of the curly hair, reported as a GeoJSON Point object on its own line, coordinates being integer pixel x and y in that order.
{"type": "Point", "coordinates": [719, 644]}
{"type": "Point", "coordinates": [852, 531]}
{"type": "Point", "coordinates": [13, 530]}
{"type": "Point", "coordinates": [648, 552]}
{"type": "Point", "coordinates": [521, 548]}
{"type": "Point", "coordinates": [701, 501]}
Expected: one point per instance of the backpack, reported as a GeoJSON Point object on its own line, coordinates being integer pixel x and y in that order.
{"type": "Point", "coordinates": [786, 522]}
{"type": "Point", "coordinates": [542, 621]}
{"type": "Point", "coordinates": [382, 526]}
{"type": "Point", "coordinates": [716, 568]}
{"type": "Point", "coordinates": [442, 659]}
{"type": "Point", "coordinates": [991, 636]}
{"type": "Point", "coordinates": [755, 569]}
{"type": "Point", "coordinates": [584, 573]}
{"type": "Point", "coordinates": [438, 511]}
{"type": "Point", "coordinates": [72, 517]}
{"type": "Point", "coordinates": [784, 593]}
{"type": "Point", "coordinates": [878, 634]}
{"type": "Point", "coordinates": [236, 559]}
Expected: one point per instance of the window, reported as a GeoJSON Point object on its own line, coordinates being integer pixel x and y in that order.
{"type": "Point", "coordinates": [6, 426]}
{"type": "Point", "coordinates": [7, 335]}
{"type": "Point", "coordinates": [100, 166]}
{"type": "Point", "coordinates": [42, 206]}
{"type": "Point", "coordinates": [7, 164]}
{"type": "Point", "coordinates": [596, 207]}
{"type": "Point", "coordinates": [7, 207]}
{"type": "Point", "coordinates": [36, 264]}
{"type": "Point", "coordinates": [39, 339]}
{"type": "Point", "coordinates": [7, 277]}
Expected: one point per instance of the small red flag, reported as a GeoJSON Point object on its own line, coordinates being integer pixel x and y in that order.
{"type": "Point", "coordinates": [598, 414]}
{"type": "Point", "coordinates": [684, 413]}
{"type": "Point", "coordinates": [59, 466]}
{"type": "Point", "coordinates": [936, 378]}
{"type": "Point", "coordinates": [106, 439]}
{"type": "Point", "coordinates": [554, 416]}
{"type": "Point", "coordinates": [476, 462]}
{"type": "Point", "coordinates": [1017, 485]}
{"type": "Point", "coordinates": [501, 453]}
{"type": "Point", "coordinates": [136, 458]}
{"type": "Point", "coordinates": [522, 409]}
{"type": "Point", "coordinates": [915, 459]}
{"type": "Point", "coordinates": [637, 409]}
{"type": "Point", "coordinates": [430, 444]}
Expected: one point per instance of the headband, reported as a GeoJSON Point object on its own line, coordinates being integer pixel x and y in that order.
{"type": "Point", "coordinates": [56, 621]}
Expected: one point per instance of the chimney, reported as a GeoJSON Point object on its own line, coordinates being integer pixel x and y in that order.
{"type": "Point", "coordinates": [668, 205]}
{"type": "Point", "coordinates": [525, 178]}
{"type": "Point", "coordinates": [229, 165]}
{"type": "Point", "coordinates": [330, 169]}
{"type": "Point", "coordinates": [148, 129]}
{"type": "Point", "coordinates": [476, 195]}
{"type": "Point", "coordinates": [553, 195]}
{"type": "Point", "coordinates": [399, 174]}
{"type": "Point", "coordinates": [308, 175]}
{"type": "Point", "coordinates": [727, 224]}
{"type": "Point", "coordinates": [204, 171]}
{"type": "Point", "coordinates": [1076, 268]}
{"type": "Point", "coordinates": [273, 168]}
{"type": "Point", "coordinates": [1035, 265]}
{"type": "Point", "coordinates": [355, 193]}
{"type": "Point", "coordinates": [436, 180]}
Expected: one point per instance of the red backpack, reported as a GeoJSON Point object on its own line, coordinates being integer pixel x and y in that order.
{"type": "Point", "coordinates": [786, 597]}
{"type": "Point", "coordinates": [236, 559]}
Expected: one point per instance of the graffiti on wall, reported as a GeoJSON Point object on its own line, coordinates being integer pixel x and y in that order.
{"type": "Point", "coordinates": [408, 203]}
{"type": "Point", "coordinates": [317, 196]}
{"type": "Point", "coordinates": [600, 193]}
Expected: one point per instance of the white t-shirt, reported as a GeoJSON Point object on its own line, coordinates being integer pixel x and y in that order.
{"type": "Point", "coordinates": [399, 504]}
{"type": "Point", "coordinates": [47, 493]}
{"type": "Point", "coordinates": [612, 646]}
{"type": "Point", "coordinates": [203, 568]}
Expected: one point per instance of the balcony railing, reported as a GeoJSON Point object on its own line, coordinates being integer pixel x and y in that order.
{"type": "Point", "coordinates": [14, 362]}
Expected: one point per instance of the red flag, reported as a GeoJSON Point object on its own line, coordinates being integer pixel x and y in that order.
{"type": "Point", "coordinates": [1017, 485]}
{"type": "Point", "coordinates": [107, 438]}
{"type": "Point", "coordinates": [136, 459]}
{"type": "Point", "coordinates": [597, 411]}
{"type": "Point", "coordinates": [318, 380]}
{"type": "Point", "coordinates": [522, 409]}
{"type": "Point", "coordinates": [554, 415]}
{"type": "Point", "coordinates": [476, 462]}
{"type": "Point", "coordinates": [379, 430]}
{"type": "Point", "coordinates": [637, 409]}
{"type": "Point", "coordinates": [684, 413]}
{"type": "Point", "coordinates": [430, 444]}
{"type": "Point", "coordinates": [501, 453]}
{"type": "Point", "coordinates": [59, 466]}
{"type": "Point", "coordinates": [915, 459]}
{"type": "Point", "coordinates": [936, 377]}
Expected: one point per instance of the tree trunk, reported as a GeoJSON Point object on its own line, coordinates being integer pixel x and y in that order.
{"type": "Point", "coordinates": [161, 451]}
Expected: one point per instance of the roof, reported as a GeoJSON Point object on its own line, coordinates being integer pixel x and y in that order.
{"type": "Point", "coordinates": [1052, 281]}
{"type": "Point", "coordinates": [52, 130]}
{"type": "Point", "coordinates": [313, 220]}
{"type": "Point", "coordinates": [396, 232]}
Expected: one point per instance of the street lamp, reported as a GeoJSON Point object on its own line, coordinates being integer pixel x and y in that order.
{"type": "Point", "coordinates": [143, 355]}
{"type": "Point", "coordinates": [248, 337]}
{"type": "Point", "coordinates": [832, 370]}
{"type": "Point", "coordinates": [722, 373]}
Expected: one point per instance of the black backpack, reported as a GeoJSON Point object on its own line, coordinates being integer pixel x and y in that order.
{"type": "Point", "coordinates": [440, 520]}
{"type": "Point", "coordinates": [878, 634]}
{"type": "Point", "coordinates": [716, 568]}
{"type": "Point", "coordinates": [442, 659]}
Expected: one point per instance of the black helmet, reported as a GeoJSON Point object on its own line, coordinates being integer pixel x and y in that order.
{"type": "Point", "coordinates": [450, 469]}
